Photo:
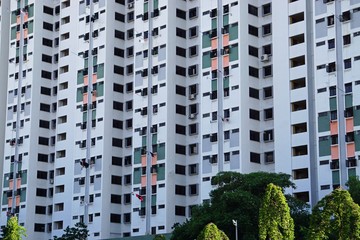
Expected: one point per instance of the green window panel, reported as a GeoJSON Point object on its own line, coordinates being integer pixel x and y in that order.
{"type": "Point", "coordinates": [86, 63]}
{"type": "Point", "coordinates": [153, 200]}
{"type": "Point", "coordinates": [206, 40]}
{"type": "Point", "coordinates": [161, 172]}
{"type": "Point", "coordinates": [226, 82]}
{"type": "Point", "coordinates": [233, 31]}
{"type": "Point", "coordinates": [357, 116]}
{"type": "Point", "coordinates": [4, 199]}
{"type": "Point", "coordinates": [137, 155]}
{"type": "Point", "coordinates": [352, 172]}
{"type": "Point", "coordinates": [26, 2]}
{"type": "Point", "coordinates": [143, 142]}
{"type": "Point", "coordinates": [84, 116]}
{"type": "Point", "coordinates": [30, 27]}
{"type": "Point", "coordinates": [18, 4]}
{"type": "Point", "coordinates": [333, 103]}
{"type": "Point", "coordinates": [324, 146]}
{"type": "Point", "coordinates": [24, 177]}
{"type": "Point", "coordinates": [23, 195]}
{"type": "Point", "coordinates": [348, 100]}
{"type": "Point", "coordinates": [213, 23]}
{"type": "Point", "coordinates": [336, 177]}
{"type": "Point", "coordinates": [226, 20]}
{"type": "Point", "coordinates": [324, 123]}
{"type": "Point", "coordinates": [11, 167]}
{"type": "Point", "coordinates": [31, 11]}
{"type": "Point", "coordinates": [80, 77]}
{"type": "Point", "coordinates": [156, 4]}
{"type": "Point", "coordinates": [25, 50]}
{"type": "Point", "coordinates": [214, 85]}
{"type": "Point", "coordinates": [13, 17]}
{"type": "Point", "coordinates": [13, 33]}
{"type": "Point", "coordinates": [94, 60]}
{"type": "Point", "coordinates": [146, 7]}
{"type": "Point", "coordinates": [161, 151]}
{"type": "Point", "coordinates": [234, 53]}
{"type": "Point", "coordinates": [17, 52]}
{"type": "Point", "coordinates": [154, 138]}
{"type": "Point", "coordinates": [206, 60]}
{"type": "Point", "coordinates": [79, 95]}
{"type": "Point", "coordinates": [6, 180]}
{"type": "Point", "coordinates": [137, 175]}
{"type": "Point", "coordinates": [93, 113]}
{"type": "Point", "coordinates": [100, 71]}
{"type": "Point", "coordinates": [143, 202]}
{"type": "Point", "coordinates": [357, 140]}
{"type": "Point", "coordinates": [100, 89]}
{"type": "Point", "coordinates": [19, 167]}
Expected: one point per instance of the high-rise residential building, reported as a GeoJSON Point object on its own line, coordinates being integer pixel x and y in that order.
{"type": "Point", "coordinates": [117, 113]}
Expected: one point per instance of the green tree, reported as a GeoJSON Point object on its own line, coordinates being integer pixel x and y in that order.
{"type": "Point", "coordinates": [275, 221]}
{"type": "Point", "coordinates": [12, 230]}
{"type": "Point", "coordinates": [300, 212]}
{"type": "Point", "coordinates": [336, 216]}
{"type": "Point", "coordinates": [159, 237]}
{"type": "Point", "coordinates": [211, 232]}
{"type": "Point", "coordinates": [238, 196]}
{"type": "Point", "coordinates": [354, 188]}
{"type": "Point", "coordinates": [79, 232]}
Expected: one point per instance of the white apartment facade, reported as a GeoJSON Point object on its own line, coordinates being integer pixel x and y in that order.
{"type": "Point", "coordinates": [179, 91]}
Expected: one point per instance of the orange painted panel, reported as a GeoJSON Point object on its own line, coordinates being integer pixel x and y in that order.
{"type": "Point", "coordinates": [86, 80]}
{"type": "Point", "coordinates": [85, 98]}
{"type": "Point", "coordinates": [333, 127]}
{"type": "Point", "coordinates": [10, 202]}
{"type": "Point", "coordinates": [17, 36]}
{"type": "Point", "coordinates": [25, 33]}
{"type": "Point", "coordinates": [18, 183]}
{"type": "Point", "coordinates": [154, 159]}
{"type": "Point", "coordinates": [214, 62]}
{"type": "Point", "coordinates": [17, 200]}
{"type": "Point", "coordinates": [214, 43]}
{"type": "Point", "coordinates": [26, 17]}
{"type": "Point", "coordinates": [225, 40]}
{"type": "Point", "coordinates": [349, 124]}
{"type": "Point", "coordinates": [350, 150]}
{"type": "Point", "coordinates": [226, 61]}
{"type": "Point", "coordinates": [94, 78]}
{"type": "Point", "coordinates": [18, 19]}
{"type": "Point", "coordinates": [335, 152]}
{"type": "Point", "coordinates": [143, 160]}
{"type": "Point", "coordinates": [153, 179]}
{"type": "Point", "coordinates": [93, 98]}
{"type": "Point", "coordinates": [11, 184]}
{"type": "Point", "coordinates": [143, 181]}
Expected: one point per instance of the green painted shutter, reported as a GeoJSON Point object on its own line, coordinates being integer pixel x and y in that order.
{"type": "Point", "coordinates": [94, 60]}
{"type": "Point", "coordinates": [324, 123]}
{"type": "Point", "coordinates": [324, 146]}
{"type": "Point", "coordinates": [213, 23]}
{"type": "Point", "coordinates": [153, 200]}
{"type": "Point", "coordinates": [23, 195]}
{"type": "Point", "coordinates": [156, 4]}
{"type": "Point", "coordinates": [352, 172]}
{"type": "Point", "coordinates": [143, 202]}
{"type": "Point", "coordinates": [143, 142]}
{"type": "Point", "coordinates": [206, 40]}
{"type": "Point", "coordinates": [13, 17]}
{"type": "Point", "coordinates": [137, 175]}
{"type": "Point", "coordinates": [6, 180]}
{"type": "Point", "coordinates": [348, 100]}
{"type": "Point", "coordinates": [233, 31]}
{"type": "Point", "coordinates": [31, 27]}
{"type": "Point", "coordinates": [93, 113]}
{"type": "Point", "coordinates": [4, 199]}
{"type": "Point", "coordinates": [161, 172]}
{"type": "Point", "coordinates": [13, 33]}
{"type": "Point", "coordinates": [226, 20]}
{"type": "Point", "coordinates": [80, 77]}
{"type": "Point", "coordinates": [100, 71]}
{"type": "Point", "coordinates": [161, 151]}
{"type": "Point", "coordinates": [357, 140]}
{"type": "Point", "coordinates": [24, 177]}
{"type": "Point", "coordinates": [336, 177]}
{"type": "Point", "coordinates": [17, 52]}
{"type": "Point", "coordinates": [86, 62]}
{"type": "Point", "coordinates": [214, 85]}
{"type": "Point", "coordinates": [333, 104]}
{"type": "Point", "coordinates": [206, 60]}
{"type": "Point", "coordinates": [31, 11]}
{"type": "Point", "coordinates": [234, 53]}
{"type": "Point", "coordinates": [100, 89]}
{"type": "Point", "coordinates": [79, 95]}
{"type": "Point", "coordinates": [137, 155]}
{"type": "Point", "coordinates": [84, 116]}
{"type": "Point", "coordinates": [357, 116]}
{"type": "Point", "coordinates": [146, 7]}
{"type": "Point", "coordinates": [25, 49]}
{"type": "Point", "coordinates": [154, 138]}
{"type": "Point", "coordinates": [226, 82]}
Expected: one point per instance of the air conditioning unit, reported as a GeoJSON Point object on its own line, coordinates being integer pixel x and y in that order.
{"type": "Point", "coordinates": [264, 58]}
{"type": "Point", "coordinates": [130, 5]}
{"type": "Point", "coordinates": [51, 181]}
{"type": "Point", "coordinates": [192, 96]}
{"type": "Point", "coordinates": [192, 116]}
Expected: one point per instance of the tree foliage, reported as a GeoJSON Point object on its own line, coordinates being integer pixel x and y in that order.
{"type": "Point", "coordinates": [79, 232]}
{"type": "Point", "coordinates": [238, 196]}
{"type": "Point", "coordinates": [275, 221]}
{"type": "Point", "coordinates": [354, 188]}
{"type": "Point", "coordinates": [12, 230]}
{"type": "Point", "coordinates": [336, 216]}
{"type": "Point", "coordinates": [159, 237]}
{"type": "Point", "coordinates": [211, 232]}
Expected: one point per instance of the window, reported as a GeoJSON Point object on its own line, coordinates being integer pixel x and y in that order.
{"type": "Point", "coordinates": [331, 67]}
{"type": "Point", "coordinates": [193, 13]}
{"type": "Point", "coordinates": [254, 157]}
{"type": "Point", "coordinates": [254, 72]}
{"type": "Point", "coordinates": [298, 106]}
{"type": "Point", "coordinates": [180, 169]}
{"type": "Point", "coordinates": [39, 227]}
{"type": "Point", "coordinates": [193, 169]}
{"type": "Point", "coordinates": [297, 61]}
{"type": "Point", "coordinates": [193, 189]}
{"type": "Point", "coordinates": [115, 199]}
{"type": "Point", "coordinates": [269, 157]}
{"type": "Point", "coordinates": [181, 14]}
{"type": "Point", "coordinates": [298, 17]}
{"type": "Point", "coordinates": [41, 192]}
{"type": "Point", "coordinates": [180, 190]}
{"type": "Point", "coordinates": [117, 142]}
{"type": "Point", "coordinates": [193, 51]}
{"type": "Point", "coordinates": [180, 129]}
{"type": "Point", "coordinates": [299, 128]}
{"type": "Point", "coordinates": [180, 32]}
{"type": "Point", "coordinates": [181, 71]}
{"type": "Point", "coordinates": [297, 39]}
{"type": "Point", "coordinates": [299, 150]}
{"type": "Point", "coordinates": [266, 9]}
{"type": "Point", "coordinates": [180, 51]}
{"type": "Point", "coordinates": [267, 92]}
{"type": "Point", "coordinates": [330, 20]}
{"type": "Point", "coordinates": [193, 32]}
{"type": "Point", "coordinates": [348, 87]}
{"type": "Point", "coordinates": [331, 44]}
{"type": "Point", "coordinates": [253, 51]}
{"type": "Point", "coordinates": [115, 218]}
{"type": "Point", "coordinates": [180, 149]}
{"type": "Point", "coordinates": [180, 211]}
{"type": "Point", "coordinates": [254, 136]}
{"type": "Point", "coordinates": [40, 209]}
{"type": "Point", "coordinates": [117, 180]}
{"type": "Point", "coordinates": [266, 29]}
{"type": "Point", "coordinates": [252, 10]}
{"type": "Point", "coordinates": [302, 173]}
{"type": "Point", "coordinates": [253, 31]}
{"type": "Point", "coordinates": [298, 83]}
{"type": "Point", "coordinates": [268, 135]}
{"type": "Point", "coordinates": [347, 63]}
{"type": "Point", "coordinates": [254, 93]}
{"type": "Point", "coordinates": [268, 114]}
{"type": "Point", "coordinates": [267, 71]}
{"type": "Point", "coordinates": [347, 39]}
{"type": "Point", "coordinates": [254, 114]}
